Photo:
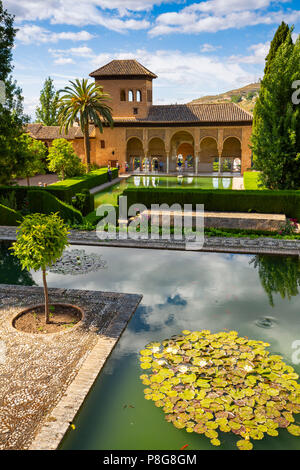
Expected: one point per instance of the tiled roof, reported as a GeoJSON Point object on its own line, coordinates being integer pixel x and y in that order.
{"type": "Point", "coordinates": [197, 113]}
{"type": "Point", "coordinates": [40, 132]}
{"type": "Point", "coordinates": [123, 68]}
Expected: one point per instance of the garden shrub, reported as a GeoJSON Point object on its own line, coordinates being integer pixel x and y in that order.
{"type": "Point", "coordinates": [261, 201]}
{"type": "Point", "coordinates": [9, 216]}
{"type": "Point", "coordinates": [84, 202]}
{"type": "Point", "coordinates": [45, 203]}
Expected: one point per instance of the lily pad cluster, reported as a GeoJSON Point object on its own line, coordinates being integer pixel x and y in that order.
{"type": "Point", "coordinates": [207, 383]}
{"type": "Point", "coordinates": [78, 262]}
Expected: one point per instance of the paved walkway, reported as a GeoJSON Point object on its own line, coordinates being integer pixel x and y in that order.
{"type": "Point", "coordinates": [44, 379]}
{"type": "Point", "coordinates": [35, 180]}
{"type": "Point", "coordinates": [261, 245]}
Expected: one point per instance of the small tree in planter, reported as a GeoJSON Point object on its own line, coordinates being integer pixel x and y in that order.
{"type": "Point", "coordinates": [41, 240]}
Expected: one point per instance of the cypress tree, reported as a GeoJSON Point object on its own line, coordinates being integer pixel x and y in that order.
{"type": "Point", "coordinates": [276, 134]}
{"type": "Point", "coordinates": [281, 35]}
{"type": "Point", "coordinates": [47, 112]}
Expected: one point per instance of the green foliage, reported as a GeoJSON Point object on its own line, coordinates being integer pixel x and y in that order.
{"type": "Point", "coordinates": [86, 103]}
{"type": "Point", "coordinates": [9, 200]}
{"type": "Point", "coordinates": [41, 240]}
{"type": "Point", "coordinates": [207, 382]}
{"type": "Point", "coordinates": [34, 154]}
{"type": "Point", "coordinates": [278, 275]}
{"type": "Point", "coordinates": [47, 112]}
{"type": "Point", "coordinates": [9, 216]}
{"type": "Point", "coordinates": [63, 160]}
{"type": "Point", "coordinates": [264, 201]}
{"type": "Point", "coordinates": [66, 189]}
{"type": "Point", "coordinates": [84, 202]}
{"type": "Point", "coordinates": [41, 201]}
{"type": "Point", "coordinates": [276, 132]}
{"type": "Point", "coordinates": [282, 34]}
{"type": "Point", "coordinates": [250, 96]}
{"type": "Point", "coordinates": [12, 118]}
{"type": "Point", "coordinates": [236, 98]}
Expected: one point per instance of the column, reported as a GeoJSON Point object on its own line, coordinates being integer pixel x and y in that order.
{"type": "Point", "coordinates": [220, 163]}
{"type": "Point", "coordinates": [168, 162]}
{"type": "Point", "coordinates": [196, 165]}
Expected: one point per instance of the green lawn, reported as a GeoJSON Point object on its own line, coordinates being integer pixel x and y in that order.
{"type": "Point", "coordinates": [251, 180]}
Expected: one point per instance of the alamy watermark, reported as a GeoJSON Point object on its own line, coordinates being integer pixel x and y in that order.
{"type": "Point", "coordinates": [161, 222]}
{"type": "Point", "coordinates": [2, 93]}
{"type": "Point", "coordinates": [296, 94]}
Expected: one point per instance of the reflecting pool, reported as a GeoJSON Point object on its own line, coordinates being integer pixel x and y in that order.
{"type": "Point", "coordinates": [110, 195]}
{"type": "Point", "coordinates": [181, 290]}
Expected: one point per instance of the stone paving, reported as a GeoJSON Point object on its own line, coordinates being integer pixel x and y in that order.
{"type": "Point", "coordinates": [263, 245]}
{"type": "Point", "coordinates": [38, 371]}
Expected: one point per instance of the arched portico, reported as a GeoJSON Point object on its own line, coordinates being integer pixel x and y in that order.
{"type": "Point", "coordinates": [182, 144]}
{"type": "Point", "coordinates": [135, 154]}
{"type": "Point", "coordinates": [209, 154]}
{"type": "Point", "coordinates": [231, 154]}
{"type": "Point", "coordinates": [157, 154]}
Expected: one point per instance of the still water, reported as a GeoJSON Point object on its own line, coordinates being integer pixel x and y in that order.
{"type": "Point", "coordinates": [110, 195]}
{"type": "Point", "coordinates": [255, 296]}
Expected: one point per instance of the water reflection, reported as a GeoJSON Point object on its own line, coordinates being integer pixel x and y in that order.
{"type": "Point", "coordinates": [278, 275]}
{"type": "Point", "coordinates": [10, 269]}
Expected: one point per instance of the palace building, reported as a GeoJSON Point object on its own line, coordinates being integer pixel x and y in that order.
{"type": "Point", "coordinates": [160, 137]}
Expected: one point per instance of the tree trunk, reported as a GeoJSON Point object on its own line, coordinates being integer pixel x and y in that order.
{"type": "Point", "coordinates": [28, 183]}
{"type": "Point", "coordinates": [47, 314]}
{"type": "Point", "coordinates": [87, 147]}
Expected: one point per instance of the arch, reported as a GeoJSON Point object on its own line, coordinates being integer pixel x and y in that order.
{"type": "Point", "coordinates": [232, 148]}
{"type": "Point", "coordinates": [157, 154]}
{"type": "Point", "coordinates": [134, 153]}
{"type": "Point", "coordinates": [122, 95]}
{"type": "Point", "coordinates": [209, 155]}
{"type": "Point", "coordinates": [138, 96]}
{"type": "Point", "coordinates": [130, 96]}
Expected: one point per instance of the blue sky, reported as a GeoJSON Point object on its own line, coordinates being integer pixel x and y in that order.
{"type": "Point", "coordinates": [195, 47]}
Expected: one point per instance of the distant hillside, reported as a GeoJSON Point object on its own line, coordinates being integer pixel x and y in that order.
{"type": "Point", "coordinates": [244, 97]}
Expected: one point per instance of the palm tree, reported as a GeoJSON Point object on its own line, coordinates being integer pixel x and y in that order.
{"type": "Point", "coordinates": [84, 103]}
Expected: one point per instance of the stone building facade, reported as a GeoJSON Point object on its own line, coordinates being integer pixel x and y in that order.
{"type": "Point", "coordinates": [148, 137]}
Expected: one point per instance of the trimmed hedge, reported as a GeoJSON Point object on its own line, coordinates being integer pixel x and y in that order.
{"type": "Point", "coordinates": [66, 189]}
{"type": "Point", "coordinates": [63, 190]}
{"type": "Point", "coordinates": [9, 216]}
{"type": "Point", "coordinates": [261, 201]}
{"type": "Point", "coordinates": [45, 203]}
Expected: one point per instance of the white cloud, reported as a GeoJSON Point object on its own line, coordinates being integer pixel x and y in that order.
{"type": "Point", "coordinates": [63, 61]}
{"type": "Point", "coordinates": [217, 15]}
{"type": "Point", "coordinates": [30, 33]}
{"type": "Point", "coordinates": [83, 12]}
{"type": "Point", "coordinates": [62, 56]}
{"type": "Point", "coordinates": [209, 48]}
{"type": "Point", "coordinates": [258, 54]}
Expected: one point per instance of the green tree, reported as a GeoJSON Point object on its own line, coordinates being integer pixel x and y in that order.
{"type": "Point", "coordinates": [47, 112]}
{"type": "Point", "coordinates": [63, 160]}
{"type": "Point", "coordinates": [41, 240]}
{"type": "Point", "coordinates": [84, 103]}
{"type": "Point", "coordinates": [282, 34]}
{"type": "Point", "coordinates": [236, 98]}
{"type": "Point", "coordinates": [278, 275]}
{"type": "Point", "coordinates": [34, 153]}
{"type": "Point", "coordinates": [12, 118]}
{"type": "Point", "coordinates": [276, 132]}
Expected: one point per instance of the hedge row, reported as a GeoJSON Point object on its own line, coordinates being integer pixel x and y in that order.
{"type": "Point", "coordinates": [66, 189]}
{"type": "Point", "coordinates": [45, 203]}
{"type": "Point", "coordinates": [63, 190]}
{"type": "Point", "coordinates": [9, 216]}
{"type": "Point", "coordinates": [264, 201]}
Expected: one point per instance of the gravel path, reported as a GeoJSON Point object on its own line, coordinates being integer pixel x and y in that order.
{"type": "Point", "coordinates": [36, 370]}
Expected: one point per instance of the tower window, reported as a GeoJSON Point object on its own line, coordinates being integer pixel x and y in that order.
{"type": "Point", "coordinates": [149, 96]}
{"type": "Point", "coordinates": [102, 144]}
{"type": "Point", "coordinates": [135, 111]}
{"type": "Point", "coordinates": [123, 95]}
{"type": "Point", "coordinates": [139, 96]}
{"type": "Point", "coordinates": [130, 95]}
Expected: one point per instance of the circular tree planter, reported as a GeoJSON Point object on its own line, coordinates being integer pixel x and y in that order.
{"type": "Point", "coordinates": [63, 318]}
